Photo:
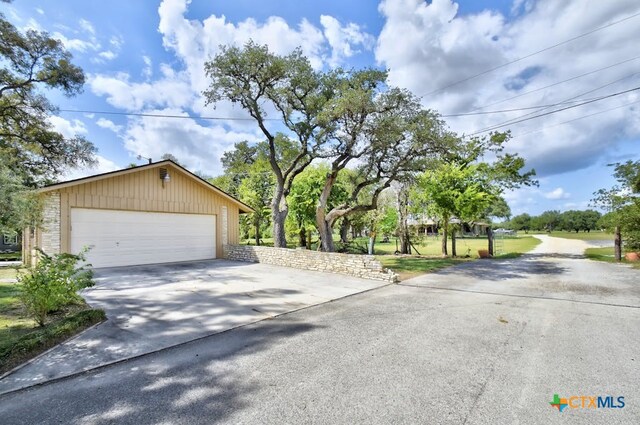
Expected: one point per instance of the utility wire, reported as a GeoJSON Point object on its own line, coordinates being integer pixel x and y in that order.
{"type": "Point", "coordinates": [516, 119]}
{"type": "Point", "coordinates": [575, 119]}
{"type": "Point", "coordinates": [556, 111]}
{"type": "Point", "coordinates": [555, 84]}
{"type": "Point", "coordinates": [531, 54]}
{"type": "Point", "coordinates": [141, 114]}
{"type": "Point", "coordinates": [526, 108]}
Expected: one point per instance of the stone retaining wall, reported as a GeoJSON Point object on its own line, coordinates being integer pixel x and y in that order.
{"type": "Point", "coordinates": [364, 266]}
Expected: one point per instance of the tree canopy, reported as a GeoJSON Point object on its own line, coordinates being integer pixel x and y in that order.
{"type": "Point", "coordinates": [32, 153]}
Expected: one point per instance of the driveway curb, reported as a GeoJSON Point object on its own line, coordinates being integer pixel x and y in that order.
{"type": "Point", "coordinates": [127, 359]}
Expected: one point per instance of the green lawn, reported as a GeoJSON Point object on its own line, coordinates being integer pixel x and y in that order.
{"type": "Point", "coordinates": [20, 337]}
{"type": "Point", "coordinates": [7, 273]}
{"type": "Point", "coordinates": [407, 267]}
{"type": "Point", "coordinates": [607, 255]}
{"type": "Point", "coordinates": [468, 246]}
{"type": "Point", "coordinates": [590, 236]}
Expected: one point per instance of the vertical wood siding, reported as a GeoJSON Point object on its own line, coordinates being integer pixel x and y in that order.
{"type": "Point", "coordinates": [143, 191]}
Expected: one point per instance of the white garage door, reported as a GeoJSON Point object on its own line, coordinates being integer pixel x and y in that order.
{"type": "Point", "coordinates": [123, 238]}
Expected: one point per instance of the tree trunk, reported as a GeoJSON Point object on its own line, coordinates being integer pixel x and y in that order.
{"type": "Point", "coordinates": [303, 237]}
{"type": "Point", "coordinates": [279, 211]}
{"type": "Point", "coordinates": [344, 230]}
{"type": "Point", "coordinates": [257, 226]}
{"type": "Point", "coordinates": [324, 227]}
{"type": "Point", "coordinates": [454, 253]}
{"type": "Point", "coordinates": [372, 242]}
{"type": "Point", "coordinates": [445, 235]}
{"type": "Point", "coordinates": [403, 212]}
{"type": "Point", "coordinates": [617, 250]}
{"type": "Point", "coordinates": [490, 240]}
{"type": "Point", "coordinates": [309, 239]}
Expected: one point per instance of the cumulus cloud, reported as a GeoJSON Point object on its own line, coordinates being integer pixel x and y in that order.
{"type": "Point", "coordinates": [87, 26]}
{"type": "Point", "coordinates": [343, 39]}
{"type": "Point", "coordinates": [557, 193]}
{"type": "Point", "coordinates": [122, 93]}
{"type": "Point", "coordinates": [440, 49]}
{"type": "Point", "coordinates": [109, 125]}
{"type": "Point", "coordinates": [103, 165]}
{"type": "Point", "coordinates": [147, 71]}
{"type": "Point", "coordinates": [67, 128]}
{"type": "Point", "coordinates": [197, 146]}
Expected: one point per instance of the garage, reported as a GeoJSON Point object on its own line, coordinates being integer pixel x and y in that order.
{"type": "Point", "coordinates": [150, 214]}
{"type": "Point", "coordinates": [122, 238]}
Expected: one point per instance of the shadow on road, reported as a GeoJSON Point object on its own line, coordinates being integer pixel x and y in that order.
{"type": "Point", "coordinates": [518, 268]}
{"type": "Point", "coordinates": [157, 392]}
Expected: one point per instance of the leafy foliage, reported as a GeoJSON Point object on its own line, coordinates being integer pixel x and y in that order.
{"type": "Point", "coordinates": [622, 202]}
{"type": "Point", "coordinates": [31, 152]}
{"type": "Point", "coordinates": [53, 283]}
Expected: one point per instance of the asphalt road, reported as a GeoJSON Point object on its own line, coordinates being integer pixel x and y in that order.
{"type": "Point", "coordinates": [489, 342]}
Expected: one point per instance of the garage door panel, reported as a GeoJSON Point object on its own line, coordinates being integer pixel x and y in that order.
{"type": "Point", "coordinates": [120, 238]}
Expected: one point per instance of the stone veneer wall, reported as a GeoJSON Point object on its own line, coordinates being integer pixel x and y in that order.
{"type": "Point", "coordinates": [364, 266]}
{"type": "Point", "coordinates": [51, 224]}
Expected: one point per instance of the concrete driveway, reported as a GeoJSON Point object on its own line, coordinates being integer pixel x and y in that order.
{"type": "Point", "coordinates": [157, 306]}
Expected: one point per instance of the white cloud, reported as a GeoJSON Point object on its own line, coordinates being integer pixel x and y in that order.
{"type": "Point", "coordinates": [87, 26]}
{"type": "Point", "coordinates": [68, 129]}
{"type": "Point", "coordinates": [124, 94]}
{"type": "Point", "coordinates": [109, 125]}
{"type": "Point", "coordinates": [76, 43]}
{"type": "Point", "coordinates": [108, 55]}
{"type": "Point", "coordinates": [116, 42]}
{"type": "Point", "coordinates": [198, 147]}
{"type": "Point", "coordinates": [428, 46]}
{"type": "Point", "coordinates": [343, 39]}
{"type": "Point", "coordinates": [147, 71]}
{"type": "Point", "coordinates": [196, 41]}
{"type": "Point", "coordinates": [104, 165]}
{"type": "Point", "coordinates": [557, 193]}
{"type": "Point", "coordinates": [40, 11]}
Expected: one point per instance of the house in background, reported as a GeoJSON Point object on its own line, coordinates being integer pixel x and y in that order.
{"type": "Point", "coordinates": [10, 243]}
{"type": "Point", "coordinates": [424, 225]}
{"type": "Point", "coordinates": [154, 213]}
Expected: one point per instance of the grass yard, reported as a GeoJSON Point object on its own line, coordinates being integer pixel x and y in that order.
{"type": "Point", "coordinates": [594, 235]}
{"type": "Point", "coordinates": [468, 246]}
{"type": "Point", "coordinates": [407, 266]}
{"type": "Point", "coordinates": [20, 337]}
{"type": "Point", "coordinates": [606, 254]}
{"type": "Point", "coordinates": [7, 273]}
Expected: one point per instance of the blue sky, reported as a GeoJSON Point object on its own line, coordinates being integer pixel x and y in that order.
{"type": "Point", "coordinates": [144, 56]}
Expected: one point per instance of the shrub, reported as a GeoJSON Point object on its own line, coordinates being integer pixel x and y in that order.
{"type": "Point", "coordinates": [53, 283]}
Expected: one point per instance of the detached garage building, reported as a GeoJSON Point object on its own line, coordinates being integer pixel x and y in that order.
{"type": "Point", "coordinates": [155, 213]}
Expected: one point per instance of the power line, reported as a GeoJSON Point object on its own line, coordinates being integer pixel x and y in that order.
{"type": "Point", "coordinates": [555, 84]}
{"type": "Point", "coordinates": [141, 114]}
{"type": "Point", "coordinates": [556, 110]}
{"type": "Point", "coordinates": [527, 108]}
{"type": "Point", "coordinates": [513, 120]}
{"type": "Point", "coordinates": [531, 54]}
{"type": "Point", "coordinates": [575, 119]}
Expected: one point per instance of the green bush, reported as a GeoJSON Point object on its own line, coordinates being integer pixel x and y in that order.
{"type": "Point", "coordinates": [53, 283]}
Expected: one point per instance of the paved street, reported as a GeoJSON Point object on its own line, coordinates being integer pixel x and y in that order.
{"type": "Point", "coordinates": [488, 342]}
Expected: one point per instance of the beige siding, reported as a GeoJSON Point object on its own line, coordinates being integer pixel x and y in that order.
{"type": "Point", "coordinates": [143, 191]}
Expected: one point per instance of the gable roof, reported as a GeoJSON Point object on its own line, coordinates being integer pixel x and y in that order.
{"type": "Point", "coordinates": [244, 208]}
